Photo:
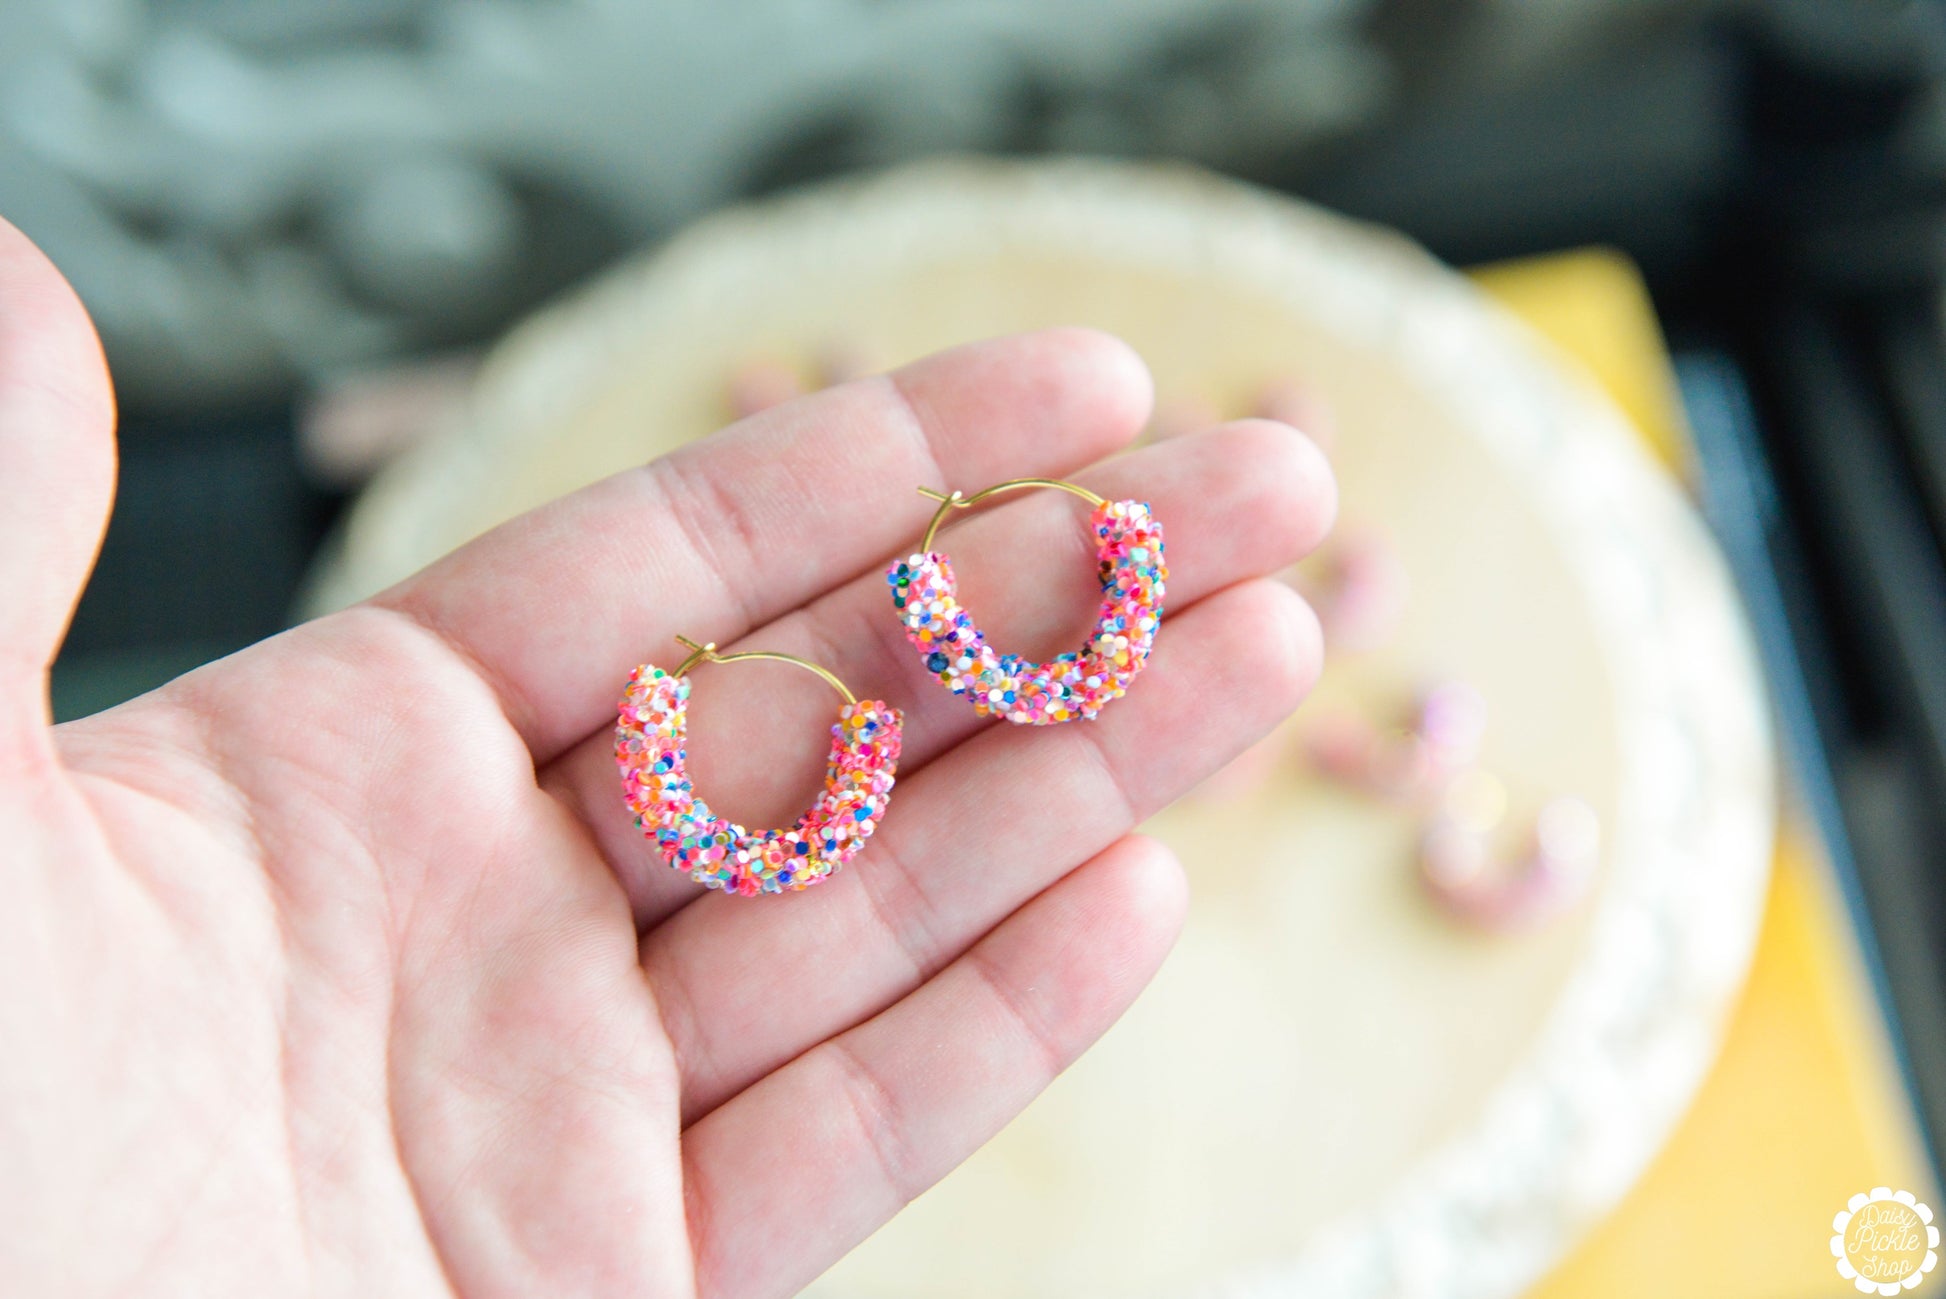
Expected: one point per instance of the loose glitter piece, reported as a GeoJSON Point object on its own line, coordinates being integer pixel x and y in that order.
{"type": "Point", "coordinates": [720, 854]}
{"type": "Point", "coordinates": [1129, 544]}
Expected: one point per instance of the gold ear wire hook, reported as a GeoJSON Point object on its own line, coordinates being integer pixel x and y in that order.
{"type": "Point", "coordinates": [707, 653]}
{"type": "Point", "coordinates": [955, 501]}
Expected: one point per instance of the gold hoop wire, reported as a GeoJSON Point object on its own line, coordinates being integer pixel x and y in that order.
{"type": "Point", "coordinates": [950, 501]}
{"type": "Point", "coordinates": [707, 654]}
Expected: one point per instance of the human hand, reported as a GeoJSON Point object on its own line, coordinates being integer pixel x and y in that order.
{"type": "Point", "coordinates": [338, 967]}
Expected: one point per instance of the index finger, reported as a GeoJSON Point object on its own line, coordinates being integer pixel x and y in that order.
{"type": "Point", "coordinates": [723, 536]}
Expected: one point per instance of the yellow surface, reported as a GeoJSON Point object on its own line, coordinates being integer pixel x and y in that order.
{"type": "Point", "coordinates": [1803, 1108]}
{"type": "Point", "coordinates": [1593, 306]}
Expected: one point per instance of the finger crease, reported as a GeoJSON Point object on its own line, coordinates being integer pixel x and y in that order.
{"type": "Point", "coordinates": [690, 499]}
{"type": "Point", "coordinates": [1126, 807]}
{"type": "Point", "coordinates": [922, 431]}
{"type": "Point", "coordinates": [1053, 1057]}
{"type": "Point", "coordinates": [914, 939]}
{"type": "Point", "coordinates": [876, 1111]}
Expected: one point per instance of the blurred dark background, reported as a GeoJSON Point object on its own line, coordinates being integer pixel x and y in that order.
{"type": "Point", "coordinates": [262, 201]}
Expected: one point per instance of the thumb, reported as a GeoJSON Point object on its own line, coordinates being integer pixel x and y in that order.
{"type": "Point", "coordinates": [57, 465]}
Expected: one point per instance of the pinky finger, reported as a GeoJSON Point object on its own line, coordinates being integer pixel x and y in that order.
{"type": "Point", "coordinates": [800, 1167]}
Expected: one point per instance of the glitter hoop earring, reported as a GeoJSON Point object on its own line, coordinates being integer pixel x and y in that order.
{"type": "Point", "coordinates": [1128, 541]}
{"type": "Point", "coordinates": [651, 750]}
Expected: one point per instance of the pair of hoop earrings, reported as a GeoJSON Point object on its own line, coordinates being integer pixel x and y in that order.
{"type": "Point", "coordinates": [650, 740]}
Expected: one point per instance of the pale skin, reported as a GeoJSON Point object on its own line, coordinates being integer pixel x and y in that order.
{"type": "Point", "coordinates": [338, 968]}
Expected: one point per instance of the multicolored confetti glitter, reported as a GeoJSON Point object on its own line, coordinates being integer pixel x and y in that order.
{"type": "Point", "coordinates": [718, 853]}
{"type": "Point", "coordinates": [1129, 544]}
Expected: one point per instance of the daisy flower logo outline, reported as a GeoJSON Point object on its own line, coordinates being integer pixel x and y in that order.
{"type": "Point", "coordinates": [1906, 1214]}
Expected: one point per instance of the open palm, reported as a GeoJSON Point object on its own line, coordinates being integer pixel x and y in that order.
{"type": "Point", "coordinates": [338, 967]}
